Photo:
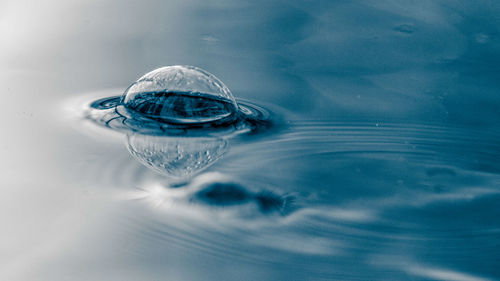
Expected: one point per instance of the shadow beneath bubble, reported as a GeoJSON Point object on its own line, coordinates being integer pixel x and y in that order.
{"type": "Point", "coordinates": [224, 194]}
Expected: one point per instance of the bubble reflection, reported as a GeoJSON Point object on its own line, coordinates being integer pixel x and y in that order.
{"type": "Point", "coordinates": [177, 157]}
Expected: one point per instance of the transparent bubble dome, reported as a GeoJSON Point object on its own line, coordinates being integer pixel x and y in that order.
{"type": "Point", "coordinates": [180, 94]}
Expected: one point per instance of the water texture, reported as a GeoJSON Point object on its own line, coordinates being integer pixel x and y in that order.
{"type": "Point", "coordinates": [350, 140]}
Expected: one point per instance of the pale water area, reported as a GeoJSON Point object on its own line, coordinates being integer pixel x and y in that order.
{"type": "Point", "coordinates": [369, 147]}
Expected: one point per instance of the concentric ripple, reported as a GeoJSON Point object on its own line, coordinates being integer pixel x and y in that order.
{"type": "Point", "coordinates": [373, 196]}
{"type": "Point", "coordinates": [469, 148]}
{"type": "Point", "coordinates": [391, 193]}
{"type": "Point", "coordinates": [110, 113]}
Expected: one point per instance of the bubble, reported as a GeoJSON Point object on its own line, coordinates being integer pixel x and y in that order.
{"type": "Point", "coordinates": [181, 95]}
{"type": "Point", "coordinates": [181, 101]}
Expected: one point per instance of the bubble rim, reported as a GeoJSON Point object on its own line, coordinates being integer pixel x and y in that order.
{"type": "Point", "coordinates": [249, 118]}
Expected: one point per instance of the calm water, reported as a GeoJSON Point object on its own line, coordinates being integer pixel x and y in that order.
{"type": "Point", "coordinates": [383, 165]}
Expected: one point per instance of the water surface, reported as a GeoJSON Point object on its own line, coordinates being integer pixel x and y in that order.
{"type": "Point", "coordinates": [384, 166]}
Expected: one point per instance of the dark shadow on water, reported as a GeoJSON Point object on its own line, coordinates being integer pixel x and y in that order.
{"type": "Point", "coordinates": [269, 202]}
{"type": "Point", "coordinates": [222, 194]}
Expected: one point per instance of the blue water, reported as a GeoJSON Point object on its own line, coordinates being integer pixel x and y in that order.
{"type": "Point", "coordinates": [381, 162]}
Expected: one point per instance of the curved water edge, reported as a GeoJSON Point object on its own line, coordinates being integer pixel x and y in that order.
{"type": "Point", "coordinates": [250, 119]}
